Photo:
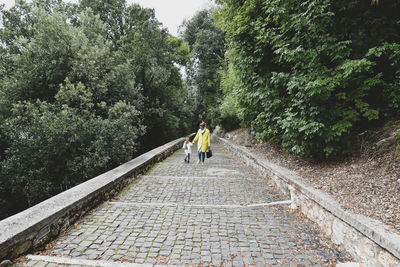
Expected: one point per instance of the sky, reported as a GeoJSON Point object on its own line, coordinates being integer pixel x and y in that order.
{"type": "Point", "coordinates": [170, 13]}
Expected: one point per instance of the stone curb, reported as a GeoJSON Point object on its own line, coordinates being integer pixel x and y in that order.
{"type": "Point", "coordinates": [289, 182]}
{"type": "Point", "coordinates": [84, 262]}
{"type": "Point", "coordinates": [36, 226]}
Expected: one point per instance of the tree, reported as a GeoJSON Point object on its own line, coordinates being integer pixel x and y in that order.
{"type": "Point", "coordinates": [112, 13]}
{"type": "Point", "coordinates": [56, 146]}
{"type": "Point", "coordinates": [313, 73]}
{"type": "Point", "coordinates": [153, 56]}
{"type": "Point", "coordinates": [58, 133]}
{"type": "Point", "coordinates": [207, 46]}
{"type": "Point", "coordinates": [84, 89]}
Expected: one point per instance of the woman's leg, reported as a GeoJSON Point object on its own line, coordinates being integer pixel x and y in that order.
{"type": "Point", "coordinates": [199, 153]}
{"type": "Point", "coordinates": [188, 160]}
{"type": "Point", "coordinates": [203, 156]}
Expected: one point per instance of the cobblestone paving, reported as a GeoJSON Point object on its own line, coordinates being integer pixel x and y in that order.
{"type": "Point", "coordinates": [156, 221]}
{"type": "Point", "coordinates": [199, 190]}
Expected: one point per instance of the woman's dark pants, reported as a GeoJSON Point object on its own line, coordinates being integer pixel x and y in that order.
{"type": "Point", "coordinates": [202, 155]}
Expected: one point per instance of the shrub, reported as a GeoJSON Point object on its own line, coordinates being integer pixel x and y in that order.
{"type": "Point", "coordinates": [314, 73]}
{"type": "Point", "coordinates": [56, 146]}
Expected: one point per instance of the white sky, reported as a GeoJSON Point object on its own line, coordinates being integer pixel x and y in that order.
{"type": "Point", "coordinates": [169, 12]}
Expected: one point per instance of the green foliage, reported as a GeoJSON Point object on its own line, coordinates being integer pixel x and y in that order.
{"type": "Point", "coordinates": [313, 73]}
{"type": "Point", "coordinates": [112, 13]}
{"type": "Point", "coordinates": [83, 88]}
{"type": "Point", "coordinates": [231, 112]}
{"type": "Point", "coordinates": [56, 146]}
{"type": "Point", "coordinates": [207, 51]}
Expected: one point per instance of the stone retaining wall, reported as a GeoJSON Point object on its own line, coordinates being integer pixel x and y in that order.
{"type": "Point", "coordinates": [368, 241]}
{"type": "Point", "coordinates": [36, 226]}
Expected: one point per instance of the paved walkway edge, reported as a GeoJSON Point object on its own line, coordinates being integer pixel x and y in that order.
{"type": "Point", "coordinates": [162, 204]}
{"type": "Point", "coordinates": [98, 263]}
{"type": "Point", "coordinates": [34, 227]}
{"type": "Point", "coordinates": [367, 240]}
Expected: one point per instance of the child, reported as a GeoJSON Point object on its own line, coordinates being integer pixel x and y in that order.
{"type": "Point", "coordinates": [187, 146]}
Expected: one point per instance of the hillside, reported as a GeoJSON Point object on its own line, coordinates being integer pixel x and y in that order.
{"type": "Point", "coordinates": [367, 183]}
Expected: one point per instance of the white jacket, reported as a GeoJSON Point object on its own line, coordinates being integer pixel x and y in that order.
{"type": "Point", "coordinates": [187, 147]}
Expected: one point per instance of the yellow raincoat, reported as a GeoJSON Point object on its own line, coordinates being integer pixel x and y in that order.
{"type": "Point", "coordinates": [204, 140]}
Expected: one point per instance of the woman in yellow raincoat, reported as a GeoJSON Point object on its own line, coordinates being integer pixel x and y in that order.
{"type": "Point", "coordinates": [204, 141]}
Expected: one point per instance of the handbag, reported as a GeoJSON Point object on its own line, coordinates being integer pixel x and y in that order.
{"type": "Point", "coordinates": [208, 153]}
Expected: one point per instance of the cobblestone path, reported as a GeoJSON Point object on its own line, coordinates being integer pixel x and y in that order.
{"type": "Point", "coordinates": [219, 214]}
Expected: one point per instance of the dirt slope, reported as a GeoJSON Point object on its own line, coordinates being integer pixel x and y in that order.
{"type": "Point", "coordinates": [367, 183]}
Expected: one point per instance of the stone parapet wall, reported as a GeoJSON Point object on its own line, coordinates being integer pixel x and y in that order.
{"type": "Point", "coordinates": [36, 226]}
{"type": "Point", "coordinates": [368, 241]}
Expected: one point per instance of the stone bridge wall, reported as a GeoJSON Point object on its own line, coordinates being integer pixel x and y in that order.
{"type": "Point", "coordinates": [368, 241]}
{"type": "Point", "coordinates": [36, 226]}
